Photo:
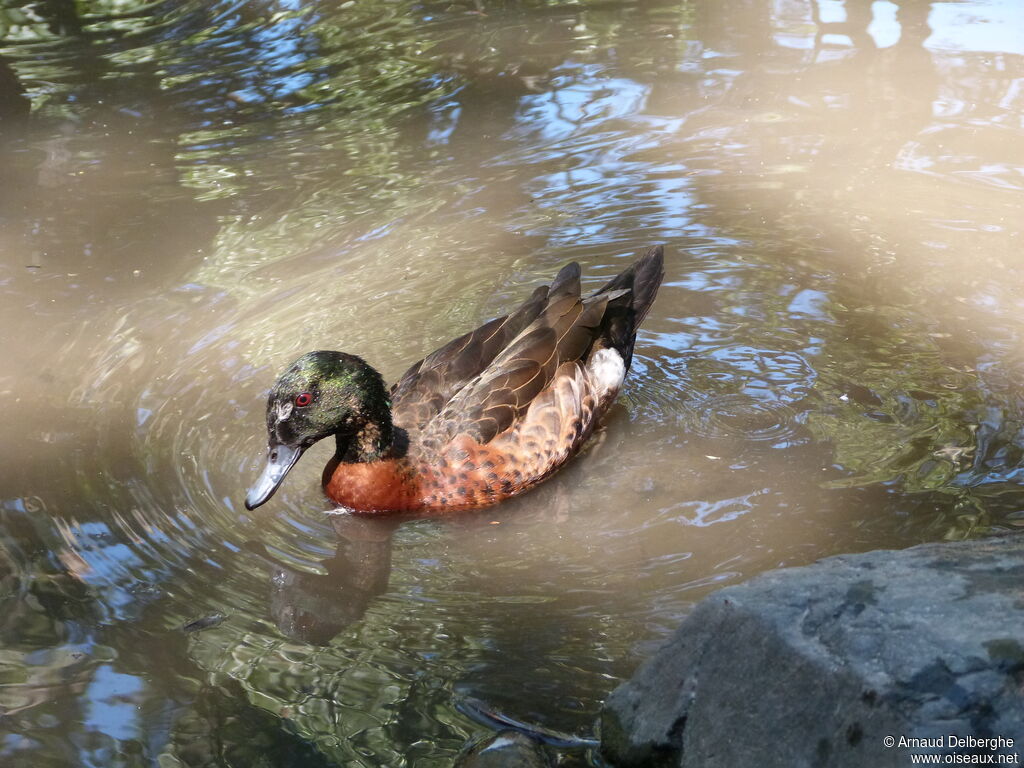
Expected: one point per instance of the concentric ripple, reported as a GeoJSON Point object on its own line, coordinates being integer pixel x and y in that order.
{"type": "Point", "coordinates": [742, 392]}
{"type": "Point", "coordinates": [743, 416]}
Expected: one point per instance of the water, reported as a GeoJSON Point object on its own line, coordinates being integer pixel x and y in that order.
{"type": "Point", "coordinates": [195, 193]}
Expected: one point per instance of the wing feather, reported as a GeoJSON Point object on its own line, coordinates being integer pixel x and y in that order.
{"type": "Point", "coordinates": [563, 332]}
{"type": "Point", "coordinates": [429, 384]}
{"type": "Point", "coordinates": [525, 374]}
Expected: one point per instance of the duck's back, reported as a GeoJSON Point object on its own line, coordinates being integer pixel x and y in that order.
{"type": "Point", "coordinates": [496, 411]}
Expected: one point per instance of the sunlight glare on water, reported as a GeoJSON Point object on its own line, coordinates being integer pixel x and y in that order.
{"type": "Point", "coordinates": [195, 194]}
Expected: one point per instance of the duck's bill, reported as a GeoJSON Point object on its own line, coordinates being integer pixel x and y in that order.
{"type": "Point", "coordinates": [280, 459]}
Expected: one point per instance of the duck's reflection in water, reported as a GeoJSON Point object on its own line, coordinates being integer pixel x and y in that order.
{"type": "Point", "coordinates": [313, 608]}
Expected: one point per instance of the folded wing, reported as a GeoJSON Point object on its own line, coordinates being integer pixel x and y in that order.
{"type": "Point", "coordinates": [528, 371]}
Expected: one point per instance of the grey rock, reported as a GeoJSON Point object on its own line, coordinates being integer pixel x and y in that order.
{"type": "Point", "coordinates": [505, 749]}
{"type": "Point", "coordinates": [816, 666]}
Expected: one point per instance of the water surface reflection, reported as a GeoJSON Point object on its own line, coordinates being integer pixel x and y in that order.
{"type": "Point", "coordinates": [196, 193]}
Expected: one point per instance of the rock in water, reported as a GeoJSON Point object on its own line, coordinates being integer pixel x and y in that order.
{"type": "Point", "coordinates": [817, 666]}
{"type": "Point", "coordinates": [505, 749]}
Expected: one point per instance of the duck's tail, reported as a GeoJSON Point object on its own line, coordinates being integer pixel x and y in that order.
{"type": "Point", "coordinates": [636, 288]}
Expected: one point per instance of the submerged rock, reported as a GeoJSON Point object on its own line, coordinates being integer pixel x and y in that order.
{"type": "Point", "coordinates": [829, 664]}
{"type": "Point", "coordinates": [505, 749]}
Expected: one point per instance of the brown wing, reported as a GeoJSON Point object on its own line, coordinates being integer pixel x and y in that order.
{"type": "Point", "coordinates": [554, 426]}
{"type": "Point", "coordinates": [421, 393]}
{"type": "Point", "coordinates": [494, 401]}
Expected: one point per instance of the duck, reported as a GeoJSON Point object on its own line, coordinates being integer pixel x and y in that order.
{"type": "Point", "coordinates": [486, 417]}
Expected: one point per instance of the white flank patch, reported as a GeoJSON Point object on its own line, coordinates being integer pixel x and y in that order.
{"type": "Point", "coordinates": [607, 370]}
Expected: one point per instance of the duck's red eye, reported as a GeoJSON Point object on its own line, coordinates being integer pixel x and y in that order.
{"type": "Point", "coordinates": [304, 399]}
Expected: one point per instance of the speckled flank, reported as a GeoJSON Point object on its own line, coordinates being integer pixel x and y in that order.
{"type": "Point", "coordinates": [470, 475]}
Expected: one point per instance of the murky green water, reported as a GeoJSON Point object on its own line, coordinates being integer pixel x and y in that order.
{"type": "Point", "coordinates": [194, 193]}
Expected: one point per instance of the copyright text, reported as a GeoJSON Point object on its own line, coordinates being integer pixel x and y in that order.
{"type": "Point", "coordinates": [983, 750]}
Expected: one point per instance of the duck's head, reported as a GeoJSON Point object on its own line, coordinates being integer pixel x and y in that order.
{"type": "Point", "coordinates": [321, 394]}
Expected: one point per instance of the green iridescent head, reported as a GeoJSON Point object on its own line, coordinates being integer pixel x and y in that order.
{"type": "Point", "coordinates": [321, 394]}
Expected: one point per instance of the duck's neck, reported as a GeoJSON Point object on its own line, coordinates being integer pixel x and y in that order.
{"type": "Point", "coordinates": [371, 442]}
{"type": "Point", "coordinates": [367, 434]}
